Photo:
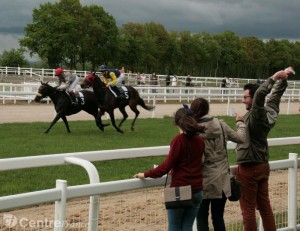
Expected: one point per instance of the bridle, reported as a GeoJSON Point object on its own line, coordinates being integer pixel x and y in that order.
{"type": "Point", "coordinates": [42, 89]}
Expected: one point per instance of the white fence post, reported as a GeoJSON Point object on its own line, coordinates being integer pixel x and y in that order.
{"type": "Point", "coordinates": [60, 206]}
{"type": "Point", "coordinates": [94, 200]}
{"type": "Point", "coordinates": [292, 193]}
{"type": "Point", "coordinates": [154, 104]}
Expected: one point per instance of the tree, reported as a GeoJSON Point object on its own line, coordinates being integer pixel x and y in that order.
{"type": "Point", "coordinates": [66, 33]}
{"type": "Point", "coordinates": [231, 53]}
{"type": "Point", "coordinates": [212, 55]}
{"type": "Point", "coordinates": [255, 65]}
{"type": "Point", "coordinates": [101, 37]}
{"type": "Point", "coordinates": [13, 58]}
{"type": "Point", "coordinates": [279, 54]}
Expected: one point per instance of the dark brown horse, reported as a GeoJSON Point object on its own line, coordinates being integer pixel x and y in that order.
{"type": "Point", "coordinates": [107, 101]}
{"type": "Point", "coordinates": [64, 107]}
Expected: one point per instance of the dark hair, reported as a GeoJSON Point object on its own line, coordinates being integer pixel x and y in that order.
{"type": "Point", "coordinates": [252, 87]}
{"type": "Point", "coordinates": [200, 107]}
{"type": "Point", "coordinates": [185, 120]}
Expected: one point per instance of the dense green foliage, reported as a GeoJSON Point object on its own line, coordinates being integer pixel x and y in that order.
{"type": "Point", "coordinates": [68, 34]}
{"type": "Point", "coordinates": [13, 58]}
{"type": "Point", "coordinates": [28, 139]}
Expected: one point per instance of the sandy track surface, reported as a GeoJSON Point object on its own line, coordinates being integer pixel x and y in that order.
{"type": "Point", "coordinates": [37, 112]}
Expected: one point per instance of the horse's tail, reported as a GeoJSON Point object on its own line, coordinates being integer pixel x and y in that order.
{"type": "Point", "coordinates": [145, 106]}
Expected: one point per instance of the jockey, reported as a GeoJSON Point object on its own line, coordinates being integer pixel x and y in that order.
{"type": "Point", "coordinates": [112, 74]}
{"type": "Point", "coordinates": [67, 82]}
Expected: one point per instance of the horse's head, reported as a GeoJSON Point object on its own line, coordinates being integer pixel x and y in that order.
{"type": "Point", "coordinates": [44, 90]}
{"type": "Point", "coordinates": [89, 80]}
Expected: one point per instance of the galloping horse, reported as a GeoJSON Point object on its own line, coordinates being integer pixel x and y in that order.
{"type": "Point", "coordinates": [63, 105]}
{"type": "Point", "coordinates": [107, 102]}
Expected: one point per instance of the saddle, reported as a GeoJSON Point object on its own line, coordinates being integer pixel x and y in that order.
{"type": "Point", "coordinates": [79, 97]}
{"type": "Point", "coordinates": [124, 92]}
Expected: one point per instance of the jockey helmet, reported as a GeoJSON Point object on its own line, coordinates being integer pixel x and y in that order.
{"type": "Point", "coordinates": [58, 71]}
{"type": "Point", "coordinates": [103, 68]}
{"type": "Point", "coordinates": [90, 78]}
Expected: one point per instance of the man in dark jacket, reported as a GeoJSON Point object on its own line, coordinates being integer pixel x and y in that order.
{"type": "Point", "coordinates": [253, 155]}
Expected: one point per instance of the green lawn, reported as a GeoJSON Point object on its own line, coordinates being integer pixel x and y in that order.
{"type": "Point", "coordinates": [28, 139]}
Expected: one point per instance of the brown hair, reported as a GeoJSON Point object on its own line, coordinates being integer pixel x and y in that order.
{"type": "Point", "coordinates": [200, 107]}
{"type": "Point", "coordinates": [184, 118]}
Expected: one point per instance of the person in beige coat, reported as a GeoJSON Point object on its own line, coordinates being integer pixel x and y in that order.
{"type": "Point", "coordinates": [216, 178]}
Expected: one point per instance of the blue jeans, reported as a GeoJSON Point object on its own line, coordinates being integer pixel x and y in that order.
{"type": "Point", "coordinates": [183, 219]}
{"type": "Point", "coordinates": [217, 214]}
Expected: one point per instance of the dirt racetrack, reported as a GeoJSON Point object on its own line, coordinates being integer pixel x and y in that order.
{"type": "Point", "coordinates": [37, 112]}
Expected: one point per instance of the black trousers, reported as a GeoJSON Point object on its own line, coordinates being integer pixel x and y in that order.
{"type": "Point", "coordinates": [217, 214]}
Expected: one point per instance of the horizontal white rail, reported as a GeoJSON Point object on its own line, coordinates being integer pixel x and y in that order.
{"type": "Point", "coordinates": [41, 73]}
{"type": "Point", "coordinates": [28, 199]}
{"type": "Point", "coordinates": [95, 188]}
{"type": "Point", "coordinates": [59, 159]}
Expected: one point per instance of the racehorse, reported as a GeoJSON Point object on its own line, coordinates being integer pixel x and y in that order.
{"type": "Point", "coordinates": [63, 105]}
{"type": "Point", "coordinates": [107, 101]}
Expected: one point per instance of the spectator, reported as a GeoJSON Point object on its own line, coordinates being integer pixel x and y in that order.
{"type": "Point", "coordinates": [188, 83]}
{"type": "Point", "coordinates": [142, 79]}
{"type": "Point", "coordinates": [154, 82]}
{"type": "Point", "coordinates": [138, 78]}
{"type": "Point", "coordinates": [253, 155]}
{"type": "Point", "coordinates": [121, 78]}
{"type": "Point", "coordinates": [181, 167]}
{"type": "Point", "coordinates": [224, 84]}
{"type": "Point", "coordinates": [174, 82]}
{"type": "Point", "coordinates": [168, 81]}
{"type": "Point", "coordinates": [216, 178]}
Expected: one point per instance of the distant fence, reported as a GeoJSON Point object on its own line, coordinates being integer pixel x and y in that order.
{"type": "Point", "coordinates": [37, 74]}
{"type": "Point", "coordinates": [287, 216]}
{"type": "Point", "coordinates": [27, 92]}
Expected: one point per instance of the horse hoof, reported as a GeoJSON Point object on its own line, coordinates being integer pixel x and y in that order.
{"type": "Point", "coordinates": [132, 128]}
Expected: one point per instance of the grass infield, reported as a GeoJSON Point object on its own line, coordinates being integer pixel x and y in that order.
{"type": "Point", "coordinates": [28, 139]}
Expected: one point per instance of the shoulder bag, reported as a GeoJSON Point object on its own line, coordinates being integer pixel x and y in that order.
{"type": "Point", "coordinates": [178, 197]}
{"type": "Point", "coordinates": [234, 184]}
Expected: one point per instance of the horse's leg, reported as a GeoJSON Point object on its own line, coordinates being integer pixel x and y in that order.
{"type": "Point", "coordinates": [112, 118]}
{"type": "Point", "coordinates": [125, 115]}
{"type": "Point", "coordinates": [56, 118]}
{"type": "Point", "coordinates": [98, 119]}
{"type": "Point", "coordinates": [64, 118]}
{"type": "Point", "coordinates": [137, 112]}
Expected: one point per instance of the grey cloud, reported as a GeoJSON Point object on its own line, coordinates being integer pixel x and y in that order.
{"type": "Point", "coordinates": [263, 19]}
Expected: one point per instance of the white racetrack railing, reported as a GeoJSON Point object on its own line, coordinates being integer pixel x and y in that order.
{"type": "Point", "coordinates": [62, 192]}
{"type": "Point", "coordinates": [27, 92]}
{"type": "Point", "coordinates": [40, 74]}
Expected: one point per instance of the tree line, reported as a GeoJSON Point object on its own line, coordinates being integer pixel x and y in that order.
{"type": "Point", "coordinates": [67, 34]}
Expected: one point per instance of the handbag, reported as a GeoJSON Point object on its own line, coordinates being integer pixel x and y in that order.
{"type": "Point", "coordinates": [235, 189]}
{"type": "Point", "coordinates": [178, 197]}
{"type": "Point", "coordinates": [234, 184]}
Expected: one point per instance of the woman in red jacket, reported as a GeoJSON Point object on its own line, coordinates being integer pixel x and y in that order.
{"type": "Point", "coordinates": [184, 170]}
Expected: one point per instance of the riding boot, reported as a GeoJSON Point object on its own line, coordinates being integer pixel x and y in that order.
{"type": "Point", "coordinates": [118, 93]}
{"type": "Point", "coordinates": [73, 98]}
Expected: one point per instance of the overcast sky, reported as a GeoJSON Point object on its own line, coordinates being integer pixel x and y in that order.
{"type": "Point", "coordinates": [278, 19]}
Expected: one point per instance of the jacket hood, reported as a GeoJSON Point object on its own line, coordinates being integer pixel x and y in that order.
{"type": "Point", "coordinates": [212, 127]}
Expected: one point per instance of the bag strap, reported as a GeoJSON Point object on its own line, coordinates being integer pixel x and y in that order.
{"type": "Point", "coordinates": [188, 156]}
{"type": "Point", "coordinates": [225, 145]}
